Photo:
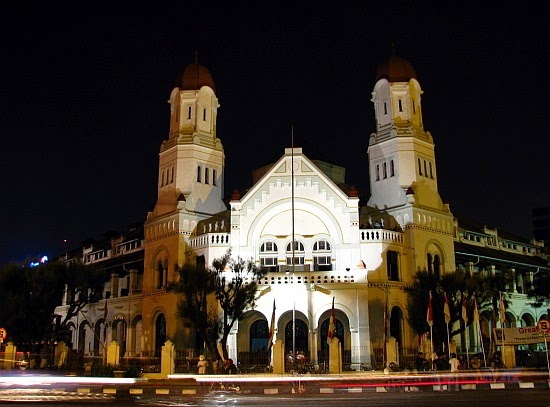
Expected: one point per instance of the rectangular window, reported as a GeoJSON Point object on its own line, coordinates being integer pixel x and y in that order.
{"type": "Point", "coordinates": [393, 265]}
{"type": "Point", "coordinates": [189, 113]}
{"type": "Point", "coordinates": [203, 115]}
{"type": "Point", "coordinates": [419, 167]}
{"type": "Point", "coordinates": [297, 260]}
{"type": "Point", "coordinates": [214, 176]}
{"type": "Point", "coordinates": [377, 172]}
{"type": "Point", "coordinates": [385, 109]}
{"type": "Point", "coordinates": [206, 175]}
{"type": "Point", "coordinates": [431, 173]}
{"type": "Point", "coordinates": [385, 171]}
{"type": "Point", "coordinates": [199, 173]}
{"type": "Point", "coordinates": [400, 105]}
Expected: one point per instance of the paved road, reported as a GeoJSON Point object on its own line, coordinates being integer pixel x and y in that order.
{"type": "Point", "coordinates": [504, 398]}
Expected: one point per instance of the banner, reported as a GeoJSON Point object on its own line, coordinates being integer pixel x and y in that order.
{"type": "Point", "coordinates": [519, 336]}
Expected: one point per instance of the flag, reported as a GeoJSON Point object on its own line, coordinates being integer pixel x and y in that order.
{"type": "Point", "coordinates": [331, 326]}
{"type": "Point", "coordinates": [105, 312]}
{"type": "Point", "coordinates": [464, 310]}
{"type": "Point", "coordinates": [430, 314]}
{"type": "Point", "coordinates": [446, 310]}
{"type": "Point", "coordinates": [476, 312]}
{"type": "Point", "coordinates": [272, 327]}
{"type": "Point", "coordinates": [502, 309]}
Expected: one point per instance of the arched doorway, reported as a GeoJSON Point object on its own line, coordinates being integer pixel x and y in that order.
{"type": "Point", "coordinates": [259, 335]}
{"type": "Point", "coordinates": [299, 339]}
{"type": "Point", "coordinates": [396, 325]}
{"type": "Point", "coordinates": [160, 333]}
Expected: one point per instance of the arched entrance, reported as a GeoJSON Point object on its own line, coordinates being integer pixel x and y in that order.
{"type": "Point", "coordinates": [119, 330]}
{"type": "Point", "coordinates": [396, 325]}
{"type": "Point", "coordinates": [299, 338]}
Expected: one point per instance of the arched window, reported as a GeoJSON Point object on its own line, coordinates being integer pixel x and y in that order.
{"type": "Point", "coordinates": [429, 260]}
{"type": "Point", "coordinates": [437, 267]}
{"type": "Point", "coordinates": [322, 256]}
{"type": "Point", "coordinates": [269, 256]}
{"type": "Point", "coordinates": [160, 334]}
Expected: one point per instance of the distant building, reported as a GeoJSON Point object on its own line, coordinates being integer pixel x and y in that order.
{"type": "Point", "coordinates": [308, 227]}
{"type": "Point", "coordinates": [541, 226]}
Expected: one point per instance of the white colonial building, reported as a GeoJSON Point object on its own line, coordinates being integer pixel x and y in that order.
{"type": "Point", "coordinates": [361, 255]}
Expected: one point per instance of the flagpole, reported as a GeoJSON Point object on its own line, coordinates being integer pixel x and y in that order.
{"type": "Point", "coordinates": [466, 331]}
{"type": "Point", "coordinates": [293, 251]}
{"type": "Point", "coordinates": [430, 323]}
{"type": "Point", "coordinates": [502, 325]}
{"type": "Point", "coordinates": [447, 315]}
{"type": "Point", "coordinates": [478, 326]}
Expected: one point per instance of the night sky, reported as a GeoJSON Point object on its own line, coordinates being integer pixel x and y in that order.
{"type": "Point", "coordinates": [85, 87]}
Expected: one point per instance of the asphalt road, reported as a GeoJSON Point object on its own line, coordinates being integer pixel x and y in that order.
{"type": "Point", "coordinates": [485, 398]}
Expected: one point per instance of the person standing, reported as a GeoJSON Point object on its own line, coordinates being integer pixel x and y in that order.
{"type": "Point", "coordinates": [455, 365]}
{"type": "Point", "coordinates": [202, 364]}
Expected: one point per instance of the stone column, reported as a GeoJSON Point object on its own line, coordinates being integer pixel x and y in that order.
{"type": "Point", "coordinates": [167, 362]}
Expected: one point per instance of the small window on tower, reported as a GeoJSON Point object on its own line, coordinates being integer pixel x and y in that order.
{"type": "Point", "coordinates": [392, 169]}
{"type": "Point", "coordinates": [214, 176]}
{"type": "Point", "coordinates": [385, 108]}
{"type": "Point", "coordinates": [189, 113]}
{"type": "Point", "coordinates": [400, 105]}
{"type": "Point", "coordinates": [206, 176]}
{"type": "Point", "coordinates": [419, 167]}
{"type": "Point", "coordinates": [385, 170]}
{"type": "Point", "coordinates": [431, 173]}
{"type": "Point", "coordinates": [377, 172]}
{"type": "Point", "coordinates": [199, 171]}
{"type": "Point", "coordinates": [203, 115]}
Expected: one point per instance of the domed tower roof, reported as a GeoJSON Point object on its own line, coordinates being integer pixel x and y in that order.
{"type": "Point", "coordinates": [396, 69]}
{"type": "Point", "coordinates": [195, 76]}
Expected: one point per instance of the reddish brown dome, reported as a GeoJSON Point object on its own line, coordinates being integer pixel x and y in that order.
{"type": "Point", "coordinates": [396, 69]}
{"type": "Point", "coordinates": [194, 77]}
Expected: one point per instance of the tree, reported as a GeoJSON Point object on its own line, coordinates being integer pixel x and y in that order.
{"type": "Point", "coordinates": [486, 288]}
{"type": "Point", "coordinates": [539, 292]}
{"type": "Point", "coordinates": [229, 287]}
{"type": "Point", "coordinates": [84, 285]}
{"type": "Point", "coordinates": [197, 284]}
{"type": "Point", "coordinates": [235, 288]}
{"type": "Point", "coordinates": [28, 297]}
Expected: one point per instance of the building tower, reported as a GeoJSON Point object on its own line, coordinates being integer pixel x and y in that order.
{"type": "Point", "coordinates": [190, 189]}
{"type": "Point", "coordinates": [403, 173]}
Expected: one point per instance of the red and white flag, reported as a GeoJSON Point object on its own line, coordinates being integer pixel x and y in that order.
{"type": "Point", "coordinates": [331, 324]}
{"type": "Point", "coordinates": [446, 310]}
{"type": "Point", "coordinates": [430, 313]}
{"type": "Point", "coordinates": [464, 310]}
{"type": "Point", "coordinates": [272, 327]}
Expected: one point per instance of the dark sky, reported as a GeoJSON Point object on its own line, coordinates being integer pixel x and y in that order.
{"type": "Point", "coordinates": [85, 88]}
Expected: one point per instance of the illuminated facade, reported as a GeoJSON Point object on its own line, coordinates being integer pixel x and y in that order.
{"type": "Point", "coordinates": [362, 255]}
